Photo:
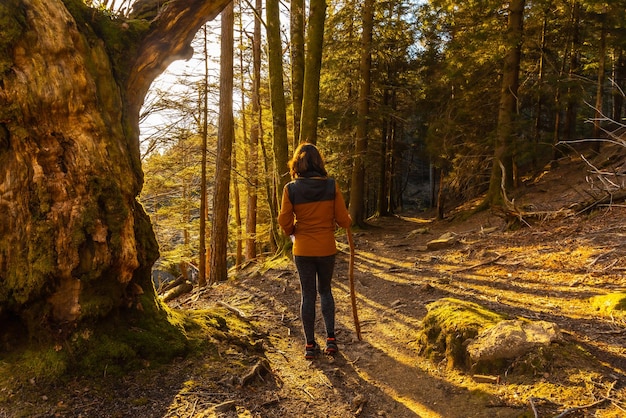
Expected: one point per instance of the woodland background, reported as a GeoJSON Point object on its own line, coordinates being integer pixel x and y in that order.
{"type": "Point", "coordinates": [438, 111]}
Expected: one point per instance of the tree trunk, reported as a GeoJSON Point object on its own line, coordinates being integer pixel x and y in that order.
{"type": "Point", "coordinates": [384, 175]}
{"type": "Point", "coordinates": [569, 124]}
{"type": "Point", "coordinates": [225, 136]}
{"type": "Point", "coordinates": [619, 77]}
{"type": "Point", "coordinates": [279, 113]}
{"type": "Point", "coordinates": [508, 105]}
{"type": "Point", "coordinates": [253, 156]}
{"type": "Point", "coordinates": [202, 253]}
{"type": "Point", "coordinates": [569, 50]}
{"type": "Point", "coordinates": [541, 72]}
{"type": "Point", "coordinates": [244, 141]}
{"type": "Point", "coordinates": [357, 190]}
{"type": "Point", "coordinates": [599, 114]}
{"type": "Point", "coordinates": [76, 244]}
{"type": "Point", "coordinates": [297, 64]}
{"type": "Point", "coordinates": [312, 69]}
{"type": "Point", "coordinates": [237, 211]}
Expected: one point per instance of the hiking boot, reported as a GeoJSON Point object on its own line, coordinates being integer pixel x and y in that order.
{"type": "Point", "coordinates": [331, 346]}
{"type": "Point", "coordinates": [311, 351]}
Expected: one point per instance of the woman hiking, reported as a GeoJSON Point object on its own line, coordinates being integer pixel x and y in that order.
{"type": "Point", "coordinates": [312, 207]}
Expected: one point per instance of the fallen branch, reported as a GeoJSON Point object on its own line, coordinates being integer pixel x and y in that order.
{"type": "Point", "coordinates": [605, 398]}
{"type": "Point", "coordinates": [308, 393]}
{"type": "Point", "coordinates": [483, 263]}
{"type": "Point", "coordinates": [181, 289]}
{"type": "Point", "coordinates": [482, 378]}
{"type": "Point", "coordinates": [234, 310]}
{"type": "Point", "coordinates": [595, 260]}
{"type": "Point", "coordinates": [534, 408]}
{"type": "Point", "coordinates": [163, 288]}
{"type": "Point", "coordinates": [225, 406]}
{"type": "Point", "coordinates": [607, 200]}
{"type": "Point", "coordinates": [578, 408]}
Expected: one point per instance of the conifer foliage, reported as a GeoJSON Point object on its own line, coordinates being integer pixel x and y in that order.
{"type": "Point", "coordinates": [425, 114]}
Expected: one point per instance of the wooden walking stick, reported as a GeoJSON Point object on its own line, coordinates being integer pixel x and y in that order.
{"type": "Point", "coordinates": [357, 325]}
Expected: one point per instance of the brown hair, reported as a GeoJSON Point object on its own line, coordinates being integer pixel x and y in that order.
{"type": "Point", "coordinates": [306, 158]}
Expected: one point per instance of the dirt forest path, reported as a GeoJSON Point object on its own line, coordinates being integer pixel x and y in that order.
{"type": "Point", "coordinates": [547, 272]}
{"type": "Point", "coordinates": [381, 375]}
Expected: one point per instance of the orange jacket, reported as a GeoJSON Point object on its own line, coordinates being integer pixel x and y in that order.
{"type": "Point", "coordinates": [311, 208]}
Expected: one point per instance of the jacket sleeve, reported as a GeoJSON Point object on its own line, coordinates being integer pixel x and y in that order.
{"type": "Point", "coordinates": [286, 218]}
{"type": "Point", "coordinates": [342, 216]}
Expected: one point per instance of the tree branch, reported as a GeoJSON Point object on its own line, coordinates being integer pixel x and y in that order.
{"type": "Point", "coordinates": [169, 39]}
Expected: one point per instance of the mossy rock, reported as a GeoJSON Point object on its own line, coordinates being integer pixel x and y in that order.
{"type": "Point", "coordinates": [507, 341]}
{"type": "Point", "coordinates": [449, 326]}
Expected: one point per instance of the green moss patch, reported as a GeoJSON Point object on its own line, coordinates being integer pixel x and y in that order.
{"type": "Point", "coordinates": [120, 345]}
{"type": "Point", "coordinates": [448, 327]}
{"type": "Point", "coordinates": [12, 20]}
{"type": "Point", "coordinates": [613, 304]}
{"type": "Point", "coordinates": [121, 36]}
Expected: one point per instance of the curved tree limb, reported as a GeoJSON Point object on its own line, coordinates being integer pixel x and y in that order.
{"type": "Point", "coordinates": [168, 39]}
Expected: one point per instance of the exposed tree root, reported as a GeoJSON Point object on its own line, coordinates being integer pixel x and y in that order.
{"type": "Point", "coordinates": [261, 368]}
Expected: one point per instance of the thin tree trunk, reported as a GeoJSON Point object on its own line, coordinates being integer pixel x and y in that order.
{"type": "Point", "coordinates": [441, 196]}
{"type": "Point", "coordinates": [272, 199]}
{"type": "Point", "coordinates": [396, 188]}
{"type": "Point", "coordinates": [540, 98]}
{"type": "Point", "coordinates": [312, 69]}
{"type": "Point", "coordinates": [297, 64]}
{"type": "Point", "coordinates": [390, 156]}
{"type": "Point", "coordinates": [357, 190]}
{"type": "Point", "coordinates": [508, 105]}
{"type": "Point", "coordinates": [557, 95]}
{"type": "Point", "coordinates": [383, 185]}
{"type": "Point", "coordinates": [244, 140]}
{"type": "Point", "coordinates": [279, 114]}
{"type": "Point", "coordinates": [253, 156]}
{"type": "Point", "coordinates": [202, 265]}
{"type": "Point", "coordinates": [599, 114]}
{"type": "Point", "coordinates": [219, 226]}
{"type": "Point", "coordinates": [569, 124]}
{"type": "Point", "coordinates": [618, 89]}
{"type": "Point", "coordinates": [237, 211]}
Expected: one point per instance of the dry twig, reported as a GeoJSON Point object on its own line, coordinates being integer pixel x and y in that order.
{"type": "Point", "coordinates": [534, 408]}
{"type": "Point", "coordinates": [483, 263]}
{"type": "Point", "coordinates": [234, 310]}
{"type": "Point", "coordinates": [603, 399]}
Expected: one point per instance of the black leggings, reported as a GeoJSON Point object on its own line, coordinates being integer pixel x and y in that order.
{"type": "Point", "coordinates": [310, 269]}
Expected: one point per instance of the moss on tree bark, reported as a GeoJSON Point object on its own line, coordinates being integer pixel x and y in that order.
{"type": "Point", "coordinates": [77, 248]}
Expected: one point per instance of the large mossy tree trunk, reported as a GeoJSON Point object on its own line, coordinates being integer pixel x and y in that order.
{"type": "Point", "coordinates": [75, 245]}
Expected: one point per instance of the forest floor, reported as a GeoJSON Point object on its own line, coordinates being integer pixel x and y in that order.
{"type": "Point", "coordinates": [547, 270]}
